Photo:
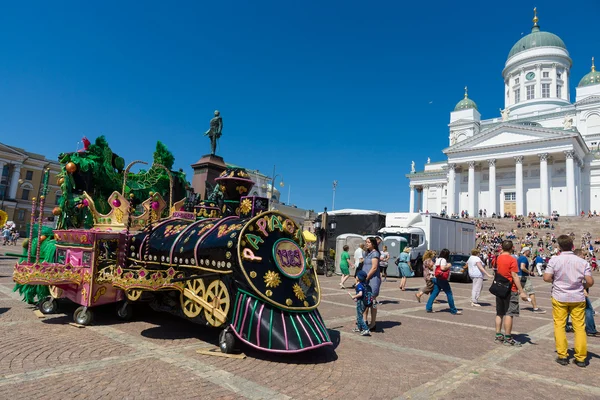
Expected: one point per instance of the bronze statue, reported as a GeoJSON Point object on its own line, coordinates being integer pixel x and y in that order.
{"type": "Point", "coordinates": [214, 132]}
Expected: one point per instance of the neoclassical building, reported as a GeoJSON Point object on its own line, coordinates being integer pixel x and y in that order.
{"type": "Point", "coordinates": [540, 155]}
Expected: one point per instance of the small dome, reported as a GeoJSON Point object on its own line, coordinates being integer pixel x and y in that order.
{"type": "Point", "coordinates": [465, 103]}
{"type": "Point", "coordinates": [535, 39]}
{"type": "Point", "coordinates": [591, 78]}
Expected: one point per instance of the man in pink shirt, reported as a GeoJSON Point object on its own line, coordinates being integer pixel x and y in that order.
{"type": "Point", "coordinates": [569, 276]}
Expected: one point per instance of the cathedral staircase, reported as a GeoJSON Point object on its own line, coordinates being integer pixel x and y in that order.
{"type": "Point", "coordinates": [565, 225]}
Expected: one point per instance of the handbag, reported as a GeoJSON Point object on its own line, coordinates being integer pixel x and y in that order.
{"type": "Point", "coordinates": [439, 274]}
{"type": "Point", "coordinates": [501, 287]}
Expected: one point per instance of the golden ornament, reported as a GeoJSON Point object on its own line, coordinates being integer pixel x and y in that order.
{"type": "Point", "coordinates": [269, 293]}
{"type": "Point", "coordinates": [252, 274]}
{"type": "Point", "coordinates": [272, 279]}
{"type": "Point", "coordinates": [289, 302]}
{"type": "Point", "coordinates": [298, 292]}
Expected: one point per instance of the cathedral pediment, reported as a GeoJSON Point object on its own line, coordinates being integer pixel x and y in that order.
{"type": "Point", "coordinates": [593, 99]}
{"type": "Point", "coordinates": [508, 134]}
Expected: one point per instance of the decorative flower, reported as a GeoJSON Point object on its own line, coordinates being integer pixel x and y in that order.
{"type": "Point", "coordinates": [298, 292]}
{"type": "Point", "coordinates": [246, 206]}
{"type": "Point", "coordinates": [241, 189]}
{"type": "Point", "coordinates": [272, 279]}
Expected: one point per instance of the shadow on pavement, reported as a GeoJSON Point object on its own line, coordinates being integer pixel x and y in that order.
{"type": "Point", "coordinates": [3, 310]}
{"type": "Point", "coordinates": [383, 325]}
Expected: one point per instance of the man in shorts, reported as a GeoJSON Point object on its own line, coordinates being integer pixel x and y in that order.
{"type": "Point", "coordinates": [507, 308]}
{"type": "Point", "coordinates": [526, 281]}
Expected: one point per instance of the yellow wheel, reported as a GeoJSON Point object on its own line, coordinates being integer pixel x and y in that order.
{"type": "Point", "coordinates": [133, 294]}
{"type": "Point", "coordinates": [55, 292]}
{"type": "Point", "coordinates": [217, 296]}
{"type": "Point", "coordinates": [192, 297]}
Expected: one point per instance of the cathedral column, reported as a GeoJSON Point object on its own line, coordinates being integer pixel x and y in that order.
{"type": "Point", "coordinates": [425, 198]}
{"type": "Point", "coordinates": [411, 207]}
{"type": "Point", "coordinates": [571, 208]}
{"type": "Point", "coordinates": [14, 181]}
{"type": "Point", "coordinates": [451, 197]}
{"type": "Point", "coordinates": [492, 189]}
{"type": "Point", "coordinates": [472, 211]}
{"type": "Point", "coordinates": [519, 184]}
{"type": "Point", "coordinates": [544, 184]}
{"type": "Point", "coordinates": [440, 188]}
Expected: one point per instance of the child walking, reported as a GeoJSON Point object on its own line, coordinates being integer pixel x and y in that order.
{"type": "Point", "coordinates": [362, 299]}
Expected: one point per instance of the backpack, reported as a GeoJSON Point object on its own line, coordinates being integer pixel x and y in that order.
{"type": "Point", "coordinates": [367, 297]}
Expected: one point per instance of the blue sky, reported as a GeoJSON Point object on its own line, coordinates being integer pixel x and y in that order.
{"type": "Point", "coordinates": [341, 90]}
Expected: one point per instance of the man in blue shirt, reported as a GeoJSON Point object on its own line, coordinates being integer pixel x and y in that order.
{"type": "Point", "coordinates": [526, 281]}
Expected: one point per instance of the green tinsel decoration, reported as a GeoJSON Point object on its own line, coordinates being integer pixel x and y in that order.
{"type": "Point", "coordinates": [32, 294]}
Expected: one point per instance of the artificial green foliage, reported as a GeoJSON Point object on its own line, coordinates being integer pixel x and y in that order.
{"type": "Point", "coordinates": [32, 294]}
{"type": "Point", "coordinates": [163, 156]}
{"type": "Point", "coordinates": [100, 173]}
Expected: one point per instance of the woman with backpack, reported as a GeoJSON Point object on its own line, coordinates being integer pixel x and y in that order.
{"type": "Point", "coordinates": [440, 282]}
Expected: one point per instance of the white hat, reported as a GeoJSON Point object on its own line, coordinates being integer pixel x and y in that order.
{"type": "Point", "coordinates": [525, 249]}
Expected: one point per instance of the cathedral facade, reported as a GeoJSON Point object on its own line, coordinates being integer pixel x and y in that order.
{"type": "Point", "coordinates": [540, 155]}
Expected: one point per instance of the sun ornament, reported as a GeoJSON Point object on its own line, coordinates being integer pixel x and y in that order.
{"type": "Point", "coordinates": [272, 279]}
{"type": "Point", "coordinates": [298, 292]}
{"type": "Point", "coordinates": [306, 280]}
{"type": "Point", "coordinates": [246, 206]}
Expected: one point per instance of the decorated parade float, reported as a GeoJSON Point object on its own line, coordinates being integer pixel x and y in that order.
{"type": "Point", "coordinates": [225, 261]}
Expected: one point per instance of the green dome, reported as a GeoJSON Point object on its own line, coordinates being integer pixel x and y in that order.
{"type": "Point", "coordinates": [535, 39]}
{"type": "Point", "coordinates": [465, 103]}
{"type": "Point", "coordinates": [592, 77]}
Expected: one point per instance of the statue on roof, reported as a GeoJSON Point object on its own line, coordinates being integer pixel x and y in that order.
{"type": "Point", "coordinates": [505, 114]}
{"type": "Point", "coordinates": [428, 160]}
{"type": "Point", "coordinates": [568, 122]}
{"type": "Point", "coordinates": [412, 168]}
{"type": "Point", "coordinates": [214, 131]}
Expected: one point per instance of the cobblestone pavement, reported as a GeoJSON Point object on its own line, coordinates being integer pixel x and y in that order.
{"type": "Point", "coordinates": [413, 355]}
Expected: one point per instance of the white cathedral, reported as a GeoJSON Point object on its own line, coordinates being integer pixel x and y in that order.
{"type": "Point", "coordinates": [541, 155]}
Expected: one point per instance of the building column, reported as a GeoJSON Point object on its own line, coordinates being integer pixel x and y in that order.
{"type": "Point", "coordinates": [451, 197]}
{"type": "Point", "coordinates": [472, 211]}
{"type": "Point", "coordinates": [519, 184]}
{"type": "Point", "coordinates": [440, 189]}
{"type": "Point", "coordinates": [425, 198]}
{"type": "Point", "coordinates": [14, 181]}
{"type": "Point", "coordinates": [544, 184]}
{"type": "Point", "coordinates": [571, 208]}
{"type": "Point", "coordinates": [411, 207]}
{"type": "Point", "coordinates": [492, 189]}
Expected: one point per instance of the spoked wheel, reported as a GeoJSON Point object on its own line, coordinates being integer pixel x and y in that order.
{"type": "Point", "coordinates": [83, 316]}
{"type": "Point", "coordinates": [48, 306]}
{"type": "Point", "coordinates": [227, 341]}
{"type": "Point", "coordinates": [133, 294]}
{"type": "Point", "coordinates": [125, 311]}
{"type": "Point", "coordinates": [217, 296]}
{"type": "Point", "coordinates": [192, 298]}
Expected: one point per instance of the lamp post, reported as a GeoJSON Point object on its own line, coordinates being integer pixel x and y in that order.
{"type": "Point", "coordinates": [335, 183]}
{"type": "Point", "coordinates": [273, 185]}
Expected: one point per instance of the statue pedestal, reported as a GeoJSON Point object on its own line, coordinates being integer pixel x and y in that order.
{"type": "Point", "coordinates": [206, 170]}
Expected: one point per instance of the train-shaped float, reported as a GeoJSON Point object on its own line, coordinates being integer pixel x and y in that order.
{"type": "Point", "coordinates": [225, 262]}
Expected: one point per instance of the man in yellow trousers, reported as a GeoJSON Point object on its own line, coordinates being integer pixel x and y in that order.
{"type": "Point", "coordinates": [569, 276]}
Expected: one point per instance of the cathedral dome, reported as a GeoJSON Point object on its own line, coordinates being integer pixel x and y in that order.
{"type": "Point", "coordinates": [535, 39]}
{"type": "Point", "coordinates": [591, 78]}
{"type": "Point", "coordinates": [465, 103]}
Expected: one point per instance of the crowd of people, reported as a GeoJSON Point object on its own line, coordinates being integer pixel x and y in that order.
{"type": "Point", "coordinates": [510, 263]}
{"type": "Point", "coordinates": [10, 235]}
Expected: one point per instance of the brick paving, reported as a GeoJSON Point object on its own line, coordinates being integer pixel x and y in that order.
{"type": "Point", "coordinates": [414, 355]}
